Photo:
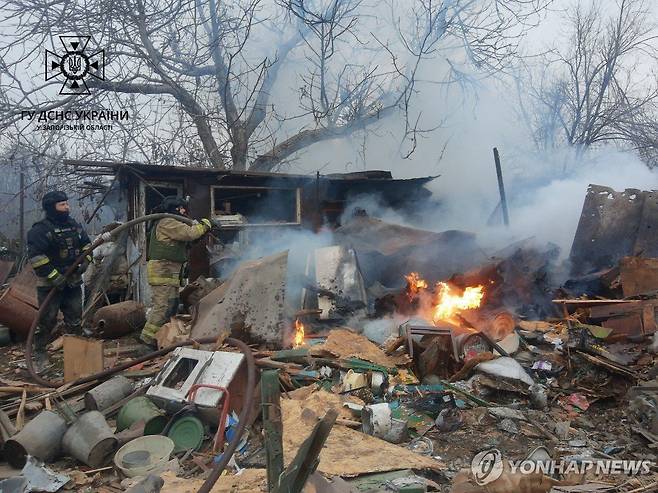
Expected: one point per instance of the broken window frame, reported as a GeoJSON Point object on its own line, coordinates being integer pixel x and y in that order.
{"type": "Point", "coordinates": [298, 204]}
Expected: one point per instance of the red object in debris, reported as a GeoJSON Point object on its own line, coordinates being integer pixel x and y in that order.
{"type": "Point", "coordinates": [18, 304]}
{"type": "Point", "coordinates": [579, 401]}
{"type": "Point", "coordinates": [219, 436]}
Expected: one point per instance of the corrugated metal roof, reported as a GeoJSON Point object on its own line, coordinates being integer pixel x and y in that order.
{"type": "Point", "coordinates": [111, 167]}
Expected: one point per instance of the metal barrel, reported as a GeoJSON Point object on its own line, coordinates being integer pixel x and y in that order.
{"type": "Point", "coordinates": [90, 440]}
{"type": "Point", "coordinates": [40, 438]}
{"type": "Point", "coordinates": [108, 393]}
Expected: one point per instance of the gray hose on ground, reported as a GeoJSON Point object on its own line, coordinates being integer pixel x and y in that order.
{"type": "Point", "coordinates": [99, 241]}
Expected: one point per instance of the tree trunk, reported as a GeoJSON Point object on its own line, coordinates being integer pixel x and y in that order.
{"type": "Point", "coordinates": [240, 143]}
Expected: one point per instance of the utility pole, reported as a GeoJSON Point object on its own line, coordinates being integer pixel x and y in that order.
{"type": "Point", "coordinates": [501, 187]}
{"type": "Point", "coordinates": [21, 208]}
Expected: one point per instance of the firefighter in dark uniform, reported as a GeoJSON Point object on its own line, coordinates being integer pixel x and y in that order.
{"type": "Point", "coordinates": [54, 243]}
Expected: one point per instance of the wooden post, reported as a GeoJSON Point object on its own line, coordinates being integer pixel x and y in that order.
{"type": "Point", "coordinates": [501, 187]}
{"type": "Point", "coordinates": [272, 426]}
{"type": "Point", "coordinates": [318, 212]}
{"type": "Point", "coordinates": [307, 458]}
{"type": "Point", "coordinates": [21, 213]}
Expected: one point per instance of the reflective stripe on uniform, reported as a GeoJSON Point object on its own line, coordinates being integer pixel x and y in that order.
{"type": "Point", "coordinates": [53, 273]}
{"type": "Point", "coordinates": [163, 281]}
{"type": "Point", "coordinates": [201, 228]}
{"type": "Point", "coordinates": [86, 248]}
{"type": "Point", "coordinates": [39, 260]}
{"type": "Point", "coordinates": [149, 331]}
{"type": "Point", "coordinates": [156, 278]}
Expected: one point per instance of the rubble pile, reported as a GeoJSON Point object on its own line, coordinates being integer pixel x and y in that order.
{"type": "Point", "coordinates": [394, 360]}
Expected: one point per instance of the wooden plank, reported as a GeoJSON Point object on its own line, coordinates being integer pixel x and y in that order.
{"type": "Point", "coordinates": [629, 325]}
{"type": "Point", "coordinates": [638, 275]}
{"type": "Point", "coordinates": [82, 357]}
{"type": "Point", "coordinates": [306, 461]}
{"type": "Point", "coordinates": [649, 319]}
{"type": "Point", "coordinates": [272, 426]}
{"type": "Point", "coordinates": [603, 312]}
{"type": "Point", "coordinates": [586, 303]}
{"type": "Point", "coordinates": [12, 408]}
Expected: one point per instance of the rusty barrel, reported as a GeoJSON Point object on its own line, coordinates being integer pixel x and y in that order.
{"type": "Point", "coordinates": [16, 313]}
{"type": "Point", "coordinates": [119, 319]}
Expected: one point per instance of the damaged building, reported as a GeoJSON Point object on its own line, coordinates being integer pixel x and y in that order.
{"type": "Point", "coordinates": [245, 205]}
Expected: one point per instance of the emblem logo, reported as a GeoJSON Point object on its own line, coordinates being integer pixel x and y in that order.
{"type": "Point", "coordinates": [74, 65]}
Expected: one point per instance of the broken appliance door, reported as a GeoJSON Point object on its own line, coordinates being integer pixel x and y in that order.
{"type": "Point", "coordinates": [188, 367]}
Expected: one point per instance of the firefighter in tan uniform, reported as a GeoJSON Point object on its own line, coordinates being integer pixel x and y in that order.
{"type": "Point", "coordinates": [167, 252]}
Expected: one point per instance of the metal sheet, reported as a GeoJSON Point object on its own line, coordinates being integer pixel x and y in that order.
{"type": "Point", "coordinates": [24, 286]}
{"type": "Point", "coordinates": [337, 271]}
{"type": "Point", "coordinates": [387, 252]}
{"type": "Point", "coordinates": [250, 304]}
{"type": "Point", "coordinates": [614, 225]}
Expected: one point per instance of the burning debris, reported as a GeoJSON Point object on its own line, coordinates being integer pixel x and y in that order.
{"type": "Point", "coordinates": [471, 356]}
{"type": "Point", "coordinates": [299, 334]}
{"type": "Point", "coordinates": [445, 302]}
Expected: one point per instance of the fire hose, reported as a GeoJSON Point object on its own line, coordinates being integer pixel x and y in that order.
{"type": "Point", "coordinates": [251, 364]}
{"type": "Point", "coordinates": [98, 242]}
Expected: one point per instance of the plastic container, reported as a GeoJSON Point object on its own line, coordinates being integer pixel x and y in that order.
{"type": "Point", "coordinates": [187, 433]}
{"type": "Point", "coordinates": [157, 447]}
{"type": "Point", "coordinates": [141, 408]}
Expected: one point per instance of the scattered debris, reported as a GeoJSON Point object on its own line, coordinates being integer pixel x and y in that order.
{"type": "Point", "coordinates": [386, 361]}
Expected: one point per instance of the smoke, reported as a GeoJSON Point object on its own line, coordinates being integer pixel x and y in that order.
{"type": "Point", "coordinates": [541, 204]}
{"type": "Point", "coordinates": [375, 206]}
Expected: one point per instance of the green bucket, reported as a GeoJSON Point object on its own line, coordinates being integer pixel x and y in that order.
{"type": "Point", "coordinates": [141, 408]}
{"type": "Point", "coordinates": [187, 433]}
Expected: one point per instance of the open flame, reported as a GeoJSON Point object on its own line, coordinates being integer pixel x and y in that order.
{"type": "Point", "coordinates": [448, 303]}
{"type": "Point", "coordinates": [445, 301]}
{"type": "Point", "coordinates": [414, 285]}
{"type": "Point", "coordinates": [299, 334]}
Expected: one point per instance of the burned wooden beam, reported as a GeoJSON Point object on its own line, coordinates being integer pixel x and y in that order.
{"type": "Point", "coordinates": [272, 426]}
{"type": "Point", "coordinates": [307, 459]}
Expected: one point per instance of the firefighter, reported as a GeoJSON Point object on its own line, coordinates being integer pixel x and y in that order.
{"type": "Point", "coordinates": [169, 240]}
{"type": "Point", "coordinates": [53, 244]}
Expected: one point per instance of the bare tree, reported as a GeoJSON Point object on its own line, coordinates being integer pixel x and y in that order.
{"type": "Point", "coordinates": [600, 87]}
{"type": "Point", "coordinates": [247, 83]}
